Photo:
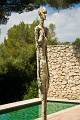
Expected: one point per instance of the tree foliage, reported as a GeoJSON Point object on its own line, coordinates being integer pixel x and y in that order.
{"type": "Point", "coordinates": [8, 6]}
{"type": "Point", "coordinates": [76, 42]}
{"type": "Point", "coordinates": [52, 40]}
{"type": "Point", "coordinates": [18, 62]}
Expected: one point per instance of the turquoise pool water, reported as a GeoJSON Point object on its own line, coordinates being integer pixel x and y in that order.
{"type": "Point", "coordinates": [33, 112]}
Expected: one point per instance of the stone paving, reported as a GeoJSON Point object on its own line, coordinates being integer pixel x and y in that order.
{"type": "Point", "coordinates": [69, 114]}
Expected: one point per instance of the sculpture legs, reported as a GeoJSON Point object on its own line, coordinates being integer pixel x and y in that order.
{"type": "Point", "coordinates": [44, 103]}
{"type": "Point", "coordinates": [38, 71]}
{"type": "Point", "coordinates": [44, 89]}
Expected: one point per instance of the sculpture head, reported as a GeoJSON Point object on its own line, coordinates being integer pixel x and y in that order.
{"type": "Point", "coordinates": [42, 13]}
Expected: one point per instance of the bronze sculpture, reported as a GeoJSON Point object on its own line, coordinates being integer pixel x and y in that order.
{"type": "Point", "coordinates": [41, 34]}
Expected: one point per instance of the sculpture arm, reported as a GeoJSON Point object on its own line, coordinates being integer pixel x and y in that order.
{"type": "Point", "coordinates": [38, 56]}
{"type": "Point", "coordinates": [36, 36]}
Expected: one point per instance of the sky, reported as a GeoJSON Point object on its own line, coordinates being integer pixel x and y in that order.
{"type": "Point", "coordinates": [67, 22]}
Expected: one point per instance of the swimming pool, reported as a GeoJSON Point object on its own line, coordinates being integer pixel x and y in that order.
{"type": "Point", "coordinates": [32, 112]}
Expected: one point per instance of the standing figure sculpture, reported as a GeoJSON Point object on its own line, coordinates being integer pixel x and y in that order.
{"type": "Point", "coordinates": [41, 33]}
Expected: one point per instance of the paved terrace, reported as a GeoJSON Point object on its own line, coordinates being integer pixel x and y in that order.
{"type": "Point", "coordinates": [72, 113]}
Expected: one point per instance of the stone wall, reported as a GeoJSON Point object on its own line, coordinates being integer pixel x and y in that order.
{"type": "Point", "coordinates": [64, 70]}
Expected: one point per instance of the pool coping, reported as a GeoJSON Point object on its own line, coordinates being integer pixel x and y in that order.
{"type": "Point", "coordinates": [62, 100]}
{"type": "Point", "coordinates": [17, 105]}
{"type": "Point", "coordinates": [34, 100]}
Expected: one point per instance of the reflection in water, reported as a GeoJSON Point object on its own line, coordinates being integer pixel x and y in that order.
{"type": "Point", "coordinates": [66, 20]}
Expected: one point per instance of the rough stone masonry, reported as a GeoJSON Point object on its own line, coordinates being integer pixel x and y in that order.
{"type": "Point", "coordinates": [64, 70]}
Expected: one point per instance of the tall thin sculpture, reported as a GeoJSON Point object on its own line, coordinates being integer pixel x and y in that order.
{"type": "Point", "coordinates": [41, 33]}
